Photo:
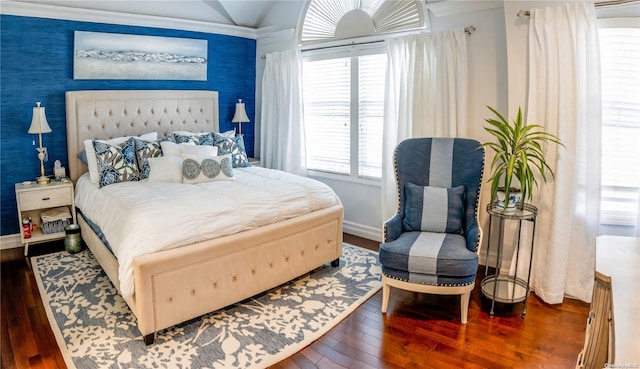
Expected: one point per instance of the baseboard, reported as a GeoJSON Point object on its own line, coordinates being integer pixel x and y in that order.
{"type": "Point", "coordinates": [10, 241]}
{"type": "Point", "coordinates": [482, 257]}
{"type": "Point", "coordinates": [362, 230]}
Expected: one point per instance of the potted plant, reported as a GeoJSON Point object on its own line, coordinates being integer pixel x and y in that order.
{"type": "Point", "coordinates": [519, 155]}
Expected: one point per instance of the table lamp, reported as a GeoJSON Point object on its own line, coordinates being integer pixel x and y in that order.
{"type": "Point", "coordinates": [240, 116]}
{"type": "Point", "coordinates": [39, 125]}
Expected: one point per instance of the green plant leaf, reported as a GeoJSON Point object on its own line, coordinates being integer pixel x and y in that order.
{"type": "Point", "coordinates": [519, 152]}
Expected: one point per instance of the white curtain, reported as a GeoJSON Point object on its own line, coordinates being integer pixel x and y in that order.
{"type": "Point", "coordinates": [564, 97]}
{"type": "Point", "coordinates": [282, 130]}
{"type": "Point", "coordinates": [637, 229]}
{"type": "Point", "coordinates": [426, 96]}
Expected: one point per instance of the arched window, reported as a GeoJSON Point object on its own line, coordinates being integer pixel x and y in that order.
{"type": "Point", "coordinates": [339, 19]}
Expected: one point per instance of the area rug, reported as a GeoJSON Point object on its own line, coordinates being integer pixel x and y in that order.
{"type": "Point", "coordinates": [95, 328]}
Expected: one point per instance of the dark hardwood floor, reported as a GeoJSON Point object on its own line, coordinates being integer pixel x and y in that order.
{"type": "Point", "coordinates": [418, 331]}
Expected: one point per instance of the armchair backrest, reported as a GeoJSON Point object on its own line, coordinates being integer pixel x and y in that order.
{"type": "Point", "coordinates": [443, 162]}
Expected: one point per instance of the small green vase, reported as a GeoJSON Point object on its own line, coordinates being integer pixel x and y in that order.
{"type": "Point", "coordinates": [72, 239]}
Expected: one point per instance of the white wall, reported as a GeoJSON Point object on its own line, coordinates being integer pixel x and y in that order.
{"type": "Point", "coordinates": [361, 201]}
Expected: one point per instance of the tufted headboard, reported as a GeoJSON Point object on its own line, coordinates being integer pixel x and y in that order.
{"type": "Point", "coordinates": [111, 113]}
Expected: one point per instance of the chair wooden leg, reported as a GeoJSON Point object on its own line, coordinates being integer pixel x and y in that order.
{"type": "Point", "coordinates": [464, 306]}
{"type": "Point", "coordinates": [385, 296]}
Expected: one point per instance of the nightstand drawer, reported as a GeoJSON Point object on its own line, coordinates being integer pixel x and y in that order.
{"type": "Point", "coordinates": [44, 198]}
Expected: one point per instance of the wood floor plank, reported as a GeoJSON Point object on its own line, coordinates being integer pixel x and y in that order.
{"type": "Point", "coordinates": [418, 331]}
{"type": "Point", "coordinates": [362, 352]}
{"type": "Point", "coordinates": [20, 334]}
{"type": "Point", "coordinates": [7, 358]}
{"type": "Point", "coordinates": [302, 362]}
{"type": "Point", "coordinates": [286, 364]}
{"type": "Point", "coordinates": [326, 363]}
{"type": "Point", "coordinates": [310, 354]}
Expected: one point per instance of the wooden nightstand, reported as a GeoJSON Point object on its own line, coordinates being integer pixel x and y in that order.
{"type": "Point", "coordinates": [33, 198]}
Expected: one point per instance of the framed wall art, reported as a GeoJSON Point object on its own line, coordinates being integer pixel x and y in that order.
{"type": "Point", "coordinates": [99, 55]}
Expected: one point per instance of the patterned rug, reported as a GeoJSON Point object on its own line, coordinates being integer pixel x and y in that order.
{"type": "Point", "coordinates": [95, 328]}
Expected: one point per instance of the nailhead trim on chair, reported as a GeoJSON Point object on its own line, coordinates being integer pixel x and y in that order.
{"type": "Point", "coordinates": [429, 284]}
{"type": "Point", "coordinates": [479, 239]}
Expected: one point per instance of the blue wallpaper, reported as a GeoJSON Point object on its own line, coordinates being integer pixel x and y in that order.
{"type": "Point", "coordinates": [37, 65]}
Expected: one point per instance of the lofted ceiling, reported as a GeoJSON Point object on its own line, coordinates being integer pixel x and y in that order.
{"type": "Point", "coordinates": [245, 13]}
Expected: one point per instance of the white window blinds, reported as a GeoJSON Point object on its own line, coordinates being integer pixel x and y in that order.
{"type": "Point", "coordinates": [620, 63]}
{"type": "Point", "coordinates": [323, 18]}
{"type": "Point", "coordinates": [343, 113]}
{"type": "Point", "coordinates": [371, 80]}
{"type": "Point", "coordinates": [327, 106]}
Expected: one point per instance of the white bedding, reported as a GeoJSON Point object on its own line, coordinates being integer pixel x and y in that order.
{"type": "Point", "coordinates": [141, 217]}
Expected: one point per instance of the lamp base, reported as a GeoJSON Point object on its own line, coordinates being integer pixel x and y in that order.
{"type": "Point", "coordinates": [43, 180]}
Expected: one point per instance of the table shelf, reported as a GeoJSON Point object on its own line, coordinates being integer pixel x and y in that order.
{"type": "Point", "coordinates": [508, 289]}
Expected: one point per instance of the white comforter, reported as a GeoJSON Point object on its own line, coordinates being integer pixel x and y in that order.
{"type": "Point", "coordinates": [141, 217]}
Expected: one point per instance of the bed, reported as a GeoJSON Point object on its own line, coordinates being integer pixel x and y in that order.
{"type": "Point", "coordinates": [177, 284]}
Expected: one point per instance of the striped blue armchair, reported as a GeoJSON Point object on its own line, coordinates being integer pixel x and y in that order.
{"type": "Point", "coordinates": [431, 244]}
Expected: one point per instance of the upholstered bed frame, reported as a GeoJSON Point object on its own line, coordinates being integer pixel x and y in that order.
{"type": "Point", "coordinates": [179, 284]}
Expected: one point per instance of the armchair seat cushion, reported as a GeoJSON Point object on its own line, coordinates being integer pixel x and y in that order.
{"type": "Point", "coordinates": [428, 279]}
{"type": "Point", "coordinates": [429, 258]}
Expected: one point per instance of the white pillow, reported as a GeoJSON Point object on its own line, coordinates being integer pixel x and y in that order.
{"type": "Point", "coordinates": [226, 134]}
{"type": "Point", "coordinates": [230, 133]}
{"type": "Point", "coordinates": [186, 133]}
{"type": "Point", "coordinates": [200, 150]}
{"type": "Point", "coordinates": [200, 168]}
{"type": "Point", "coordinates": [92, 161]}
{"type": "Point", "coordinates": [173, 149]}
{"type": "Point", "coordinates": [165, 169]}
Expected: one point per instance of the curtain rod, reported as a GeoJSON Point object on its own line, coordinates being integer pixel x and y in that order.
{"type": "Point", "coordinates": [468, 30]}
{"type": "Point", "coordinates": [527, 13]}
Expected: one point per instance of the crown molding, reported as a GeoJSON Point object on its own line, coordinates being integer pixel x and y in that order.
{"type": "Point", "coordinates": [454, 7]}
{"type": "Point", "coordinates": [25, 9]}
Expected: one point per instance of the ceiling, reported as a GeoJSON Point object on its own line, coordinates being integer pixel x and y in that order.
{"type": "Point", "coordinates": [245, 13]}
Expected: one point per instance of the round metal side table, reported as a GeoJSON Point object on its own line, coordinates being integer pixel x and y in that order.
{"type": "Point", "coordinates": [507, 288]}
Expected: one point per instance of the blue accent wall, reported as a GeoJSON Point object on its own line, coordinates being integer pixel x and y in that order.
{"type": "Point", "coordinates": [37, 65]}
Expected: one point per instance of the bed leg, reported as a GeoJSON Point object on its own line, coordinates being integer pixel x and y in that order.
{"type": "Point", "coordinates": [335, 263]}
{"type": "Point", "coordinates": [148, 339]}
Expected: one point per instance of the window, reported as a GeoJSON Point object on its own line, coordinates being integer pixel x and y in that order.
{"type": "Point", "coordinates": [620, 63]}
{"type": "Point", "coordinates": [343, 80]}
{"type": "Point", "coordinates": [343, 112]}
{"type": "Point", "coordinates": [326, 20]}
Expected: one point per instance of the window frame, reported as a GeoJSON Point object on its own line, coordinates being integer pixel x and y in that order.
{"type": "Point", "coordinates": [347, 51]}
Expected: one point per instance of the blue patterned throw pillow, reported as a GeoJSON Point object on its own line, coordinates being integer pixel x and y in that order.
{"type": "Point", "coordinates": [116, 163]}
{"type": "Point", "coordinates": [198, 139]}
{"type": "Point", "coordinates": [144, 151]}
{"type": "Point", "coordinates": [233, 145]}
{"type": "Point", "coordinates": [198, 168]}
{"type": "Point", "coordinates": [433, 209]}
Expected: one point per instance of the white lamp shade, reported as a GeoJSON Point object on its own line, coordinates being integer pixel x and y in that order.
{"type": "Point", "coordinates": [39, 122]}
{"type": "Point", "coordinates": [241, 114]}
